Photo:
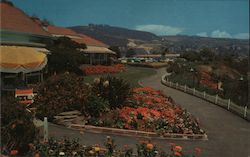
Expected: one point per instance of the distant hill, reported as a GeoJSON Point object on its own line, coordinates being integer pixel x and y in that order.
{"type": "Point", "coordinates": [114, 36]}
{"type": "Point", "coordinates": [145, 42]}
{"type": "Point", "coordinates": [181, 43]}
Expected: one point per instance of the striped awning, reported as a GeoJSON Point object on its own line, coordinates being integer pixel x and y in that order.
{"type": "Point", "coordinates": [97, 49]}
{"type": "Point", "coordinates": [15, 59]}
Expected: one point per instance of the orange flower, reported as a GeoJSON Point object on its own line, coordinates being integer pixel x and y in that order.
{"type": "Point", "coordinates": [178, 148]}
{"type": "Point", "coordinates": [14, 152]}
{"type": "Point", "coordinates": [177, 154]}
{"type": "Point", "coordinates": [150, 146]}
{"type": "Point", "coordinates": [37, 155]}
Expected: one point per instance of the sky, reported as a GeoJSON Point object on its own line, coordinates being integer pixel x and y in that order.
{"type": "Point", "coordinates": [207, 18]}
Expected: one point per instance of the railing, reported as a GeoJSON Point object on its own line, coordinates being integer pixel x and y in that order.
{"type": "Point", "coordinates": [243, 112]}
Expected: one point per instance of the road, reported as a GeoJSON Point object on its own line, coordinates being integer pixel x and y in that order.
{"type": "Point", "coordinates": [228, 134]}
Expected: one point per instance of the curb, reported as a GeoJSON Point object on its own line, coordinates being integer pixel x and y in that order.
{"type": "Point", "coordinates": [134, 133]}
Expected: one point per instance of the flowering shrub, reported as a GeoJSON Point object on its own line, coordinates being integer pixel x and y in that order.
{"type": "Point", "coordinates": [72, 148]}
{"type": "Point", "coordinates": [101, 69]}
{"type": "Point", "coordinates": [17, 128]}
{"type": "Point", "coordinates": [150, 110]}
{"type": "Point", "coordinates": [60, 93]}
{"type": "Point", "coordinates": [114, 90]}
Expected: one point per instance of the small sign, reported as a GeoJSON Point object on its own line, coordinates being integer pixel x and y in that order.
{"type": "Point", "coordinates": [24, 96]}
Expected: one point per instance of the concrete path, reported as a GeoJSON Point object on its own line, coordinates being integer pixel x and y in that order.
{"type": "Point", "coordinates": [228, 134]}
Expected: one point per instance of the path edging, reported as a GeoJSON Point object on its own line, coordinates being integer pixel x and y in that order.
{"type": "Point", "coordinates": [135, 133]}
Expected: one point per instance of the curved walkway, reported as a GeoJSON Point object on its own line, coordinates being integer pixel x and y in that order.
{"type": "Point", "coordinates": [228, 134]}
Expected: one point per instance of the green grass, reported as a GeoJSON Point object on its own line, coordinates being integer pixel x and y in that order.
{"type": "Point", "coordinates": [132, 75]}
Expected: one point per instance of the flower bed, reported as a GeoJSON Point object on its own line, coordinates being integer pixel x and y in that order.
{"type": "Point", "coordinates": [150, 110]}
{"type": "Point", "coordinates": [72, 148]}
{"type": "Point", "coordinates": [101, 69]}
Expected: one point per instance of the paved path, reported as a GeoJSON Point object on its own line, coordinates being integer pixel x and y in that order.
{"type": "Point", "coordinates": [229, 135]}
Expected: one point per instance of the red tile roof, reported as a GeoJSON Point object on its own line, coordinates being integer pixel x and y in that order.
{"type": "Point", "coordinates": [90, 41]}
{"type": "Point", "coordinates": [16, 20]}
{"type": "Point", "coordinates": [80, 38]}
{"type": "Point", "coordinates": [61, 31]}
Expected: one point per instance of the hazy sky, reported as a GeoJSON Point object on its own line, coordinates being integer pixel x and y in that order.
{"type": "Point", "coordinates": [214, 18]}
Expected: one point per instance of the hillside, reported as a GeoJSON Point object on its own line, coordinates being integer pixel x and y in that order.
{"type": "Point", "coordinates": [114, 36]}
{"type": "Point", "coordinates": [145, 42]}
{"type": "Point", "coordinates": [181, 43]}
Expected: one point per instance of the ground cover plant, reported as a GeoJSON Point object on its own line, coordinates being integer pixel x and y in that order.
{"type": "Point", "coordinates": [150, 110]}
{"type": "Point", "coordinates": [102, 69]}
{"type": "Point", "coordinates": [72, 148]}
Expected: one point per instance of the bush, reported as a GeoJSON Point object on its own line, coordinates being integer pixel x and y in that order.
{"type": "Point", "coordinates": [95, 106]}
{"type": "Point", "coordinates": [112, 89]}
{"type": "Point", "coordinates": [17, 128]}
{"type": "Point", "coordinates": [60, 93]}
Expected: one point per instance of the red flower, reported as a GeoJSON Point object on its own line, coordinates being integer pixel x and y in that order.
{"type": "Point", "coordinates": [14, 152]}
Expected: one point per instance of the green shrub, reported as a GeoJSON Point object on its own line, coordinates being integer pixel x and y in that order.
{"type": "Point", "coordinates": [95, 106]}
{"type": "Point", "coordinates": [60, 93]}
{"type": "Point", "coordinates": [17, 128]}
{"type": "Point", "coordinates": [112, 89]}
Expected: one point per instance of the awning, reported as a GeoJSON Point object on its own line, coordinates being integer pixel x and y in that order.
{"type": "Point", "coordinates": [15, 59]}
{"type": "Point", "coordinates": [97, 49]}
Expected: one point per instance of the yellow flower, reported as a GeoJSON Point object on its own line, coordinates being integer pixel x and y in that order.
{"type": "Point", "coordinates": [97, 149]}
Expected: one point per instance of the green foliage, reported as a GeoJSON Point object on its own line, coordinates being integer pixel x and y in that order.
{"type": "Point", "coordinates": [191, 56]}
{"type": "Point", "coordinates": [65, 55]}
{"type": "Point", "coordinates": [239, 96]}
{"type": "Point", "coordinates": [207, 55]}
{"type": "Point", "coordinates": [95, 106]}
{"type": "Point", "coordinates": [17, 128]}
{"type": "Point", "coordinates": [114, 90]}
{"type": "Point", "coordinates": [174, 67]}
{"type": "Point", "coordinates": [130, 53]}
{"type": "Point", "coordinates": [144, 151]}
{"type": "Point", "coordinates": [116, 49]}
{"type": "Point", "coordinates": [60, 93]}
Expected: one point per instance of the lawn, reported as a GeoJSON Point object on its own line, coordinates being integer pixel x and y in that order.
{"type": "Point", "coordinates": [132, 75]}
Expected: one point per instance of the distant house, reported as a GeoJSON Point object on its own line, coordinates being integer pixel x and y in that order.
{"type": "Point", "coordinates": [96, 51]}
{"type": "Point", "coordinates": [23, 54]}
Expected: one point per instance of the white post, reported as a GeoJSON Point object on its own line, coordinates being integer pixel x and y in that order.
{"type": "Point", "coordinates": [228, 104]}
{"type": "Point", "coordinates": [185, 88]}
{"type": "Point", "coordinates": [176, 85]}
{"type": "Point", "coordinates": [194, 91]}
{"type": "Point", "coordinates": [170, 84]}
{"type": "Point", "coordinates": [45, 129]}
{"type": "Point", "coordinates": [204, 94]}
{"type": "Point", "coordinates": [167, 79]}
{"type": "Point", "coordinates": [245, 111]}
{"type": "Point", "coordinates": [216, 99]}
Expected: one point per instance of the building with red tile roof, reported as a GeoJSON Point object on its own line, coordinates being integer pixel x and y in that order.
{"type": "Point", "coordinates": [79, 38]}
{"type": "Point", "coordinates": [15, 20]}
{"type": "Point", "coordinates": [22, 47]}
{"type": "Point", "coordinates": [96, 51]}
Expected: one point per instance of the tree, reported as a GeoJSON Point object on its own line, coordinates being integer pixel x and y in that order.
{"type": "Point", "coordinates": [207, 55]}
{"type": "Point", "coordinates": [130, 52]}
{"type": "Point", "coordinates": [191, 56]}
{"type": "Point", "coordinates": [116, 49]}
{"type": "Point", "coordinates": [65, 55]}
